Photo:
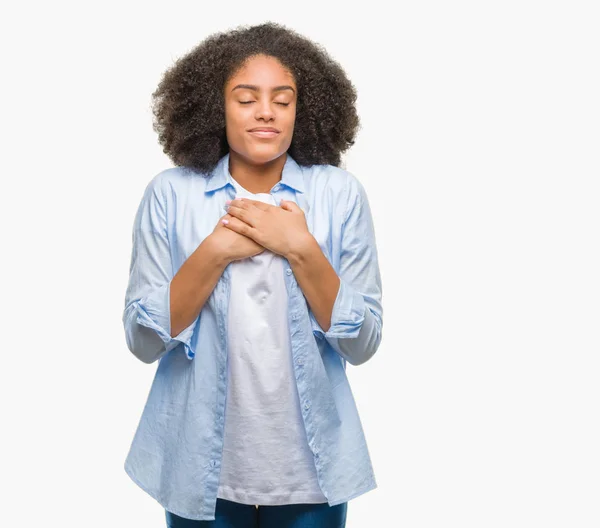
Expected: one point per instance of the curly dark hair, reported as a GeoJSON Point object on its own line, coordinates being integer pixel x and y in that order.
{"type": "Point", "coordinates": [189, 105]}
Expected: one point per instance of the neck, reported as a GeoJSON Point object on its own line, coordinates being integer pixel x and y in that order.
{"type": "Point", "coordinates": [256, 177]}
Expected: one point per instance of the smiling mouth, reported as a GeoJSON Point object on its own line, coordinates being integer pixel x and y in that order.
{"type": "Point", "coordinates": [264, 133]}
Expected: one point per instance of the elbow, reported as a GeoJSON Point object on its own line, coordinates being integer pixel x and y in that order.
{"type": "Point", "coordinates": [360, 349]}
{"type": "Point", "coordinates": [144, 358]}
{"type": "Point", "coordinates": [361, 355]}
{"type": "Point", "coordinates": [360, 360]}
{"type": "Point", "coordinates": [143, 342]}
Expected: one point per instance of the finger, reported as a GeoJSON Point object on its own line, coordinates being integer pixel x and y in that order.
{"type": "Point", "coordinates": [289, 205]}
{"type": "Point", "coordinates": [263, 206]}
{"type": "Point", "coordinates": [242, 214]}
{"type": "Point", "coordinates": [246, 203]}
{"type": "Point", "coordinates": [235, 224]}
{"type": "Point", "coordinates": [243, 203]}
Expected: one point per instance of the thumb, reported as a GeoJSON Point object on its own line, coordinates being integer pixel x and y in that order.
{"type": "Point", "coordinates": [288, 205]}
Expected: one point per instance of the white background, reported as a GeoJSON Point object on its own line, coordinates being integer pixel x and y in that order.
{"type": "Point", "coordinates": [479, 151]}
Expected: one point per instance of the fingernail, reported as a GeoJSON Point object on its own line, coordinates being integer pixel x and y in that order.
{"type": "Point", "coordinates": [228, 202]}
{"type": "Point", "coordinates": [225, 221]}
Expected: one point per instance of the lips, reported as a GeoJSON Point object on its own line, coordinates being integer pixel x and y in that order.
{"type": "Point", "coordinates": [264, 133]}
{"type": "Point", "coordinates": [265, 129]}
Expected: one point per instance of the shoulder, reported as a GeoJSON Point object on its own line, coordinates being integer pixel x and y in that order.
{"type": "Point", "coordinates": [335, 176]}
{"type": "Point", "coordinates": [338, 182]}
{"type": "Point", "coordinates": [175, 176]}
{"type": "Point", "coordinates": [169, 181]}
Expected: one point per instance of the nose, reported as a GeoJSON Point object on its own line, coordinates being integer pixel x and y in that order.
{"type": "Point", "coordinates": [264, 111]}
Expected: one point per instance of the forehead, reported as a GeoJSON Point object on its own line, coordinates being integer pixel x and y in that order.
{"type": "Point", "coordinates": [262, 71]}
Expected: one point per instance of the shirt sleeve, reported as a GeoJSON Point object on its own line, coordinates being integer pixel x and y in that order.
{"type": "Point", "coordinates": [357, 316]}
{"type": "Point", "coordinates": [147, 313]}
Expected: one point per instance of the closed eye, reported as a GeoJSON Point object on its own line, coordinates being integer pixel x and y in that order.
{"type": "Point", "coordinates": [248, 102]}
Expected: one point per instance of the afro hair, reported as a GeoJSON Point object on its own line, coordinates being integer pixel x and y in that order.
{"type": "Point", "coordinates": [189, 106]}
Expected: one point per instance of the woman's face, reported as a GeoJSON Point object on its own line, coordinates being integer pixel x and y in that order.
{"type": "Point", "coordinates": [262, 94]}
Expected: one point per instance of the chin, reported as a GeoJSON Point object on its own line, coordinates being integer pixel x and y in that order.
{"type": "Point", "coordinates": [263, 154]}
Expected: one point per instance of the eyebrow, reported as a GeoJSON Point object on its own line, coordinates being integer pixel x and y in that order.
{"type": "Point", "coordinates": [257, 88]}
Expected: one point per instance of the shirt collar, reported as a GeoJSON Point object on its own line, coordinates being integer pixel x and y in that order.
{"type": "Point", "coordinates": [291, 175]}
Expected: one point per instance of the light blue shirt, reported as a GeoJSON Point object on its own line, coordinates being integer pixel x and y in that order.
{"type": "Point", "coordinates": [176, 451]}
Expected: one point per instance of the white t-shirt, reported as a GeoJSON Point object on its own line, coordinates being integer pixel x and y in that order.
{"type": "Point", "coordinates": [266, 458]}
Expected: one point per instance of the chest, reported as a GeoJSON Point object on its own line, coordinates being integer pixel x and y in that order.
{"type": "Point", "coordinates": [194, 216]}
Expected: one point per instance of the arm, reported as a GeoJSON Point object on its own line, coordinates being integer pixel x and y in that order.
{"type": "Point", "coordinates": [193, 284]}
{"type": "Point", "coordinates": [162, 310]}
{"type": "Point", "coordinates": [348, 306]}
{"type": "Point", "coordinates": [317, 279]}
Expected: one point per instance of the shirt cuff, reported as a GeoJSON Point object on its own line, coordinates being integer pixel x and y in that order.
{"type": "Point", "coordinates": [347, 316]}
{"type": "Point", "coordinates": [154, 312]}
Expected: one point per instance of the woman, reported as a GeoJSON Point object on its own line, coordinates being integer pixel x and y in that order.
{"type": "Point", "coordinates": [254, 278]}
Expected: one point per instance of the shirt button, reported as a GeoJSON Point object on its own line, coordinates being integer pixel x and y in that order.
{"type": "Point", "coordinates": [307, 406]}
{"type": "Point", "coordinates": [299, 361]}
{"type": "Point", "coordinates": [289, 271]}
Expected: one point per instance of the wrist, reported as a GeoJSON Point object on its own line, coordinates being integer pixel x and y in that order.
{"type": "Point", "coordinates": [301, 248]}
{"type": "Point", "coordinates": [216, 252]}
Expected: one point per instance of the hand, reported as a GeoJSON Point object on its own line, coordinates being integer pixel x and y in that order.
{"type": "Point", "coordinates": [234, 245]}
{"type": "Point", "coordinates": [282, 229]}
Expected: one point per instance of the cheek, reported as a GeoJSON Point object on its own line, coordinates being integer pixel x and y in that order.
{"type": "Point", "coordinates": [289, 125]}
{"type": "Point", "coordinates": [234, 123]}
{"type": "Point", "coordinates": [237, 118]}
{"type": "Point", "coordinates": [230, 115]}
{"type": "Point", "coordinates": [291, 118]}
